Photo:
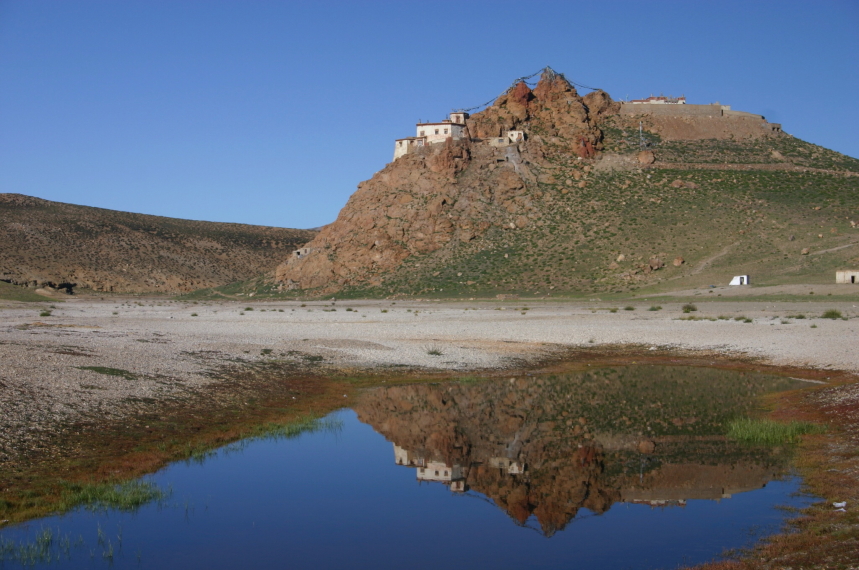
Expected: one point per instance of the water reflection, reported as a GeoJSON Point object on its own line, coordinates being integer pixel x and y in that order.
{"type": "Point", "coordinates": [549, 447]}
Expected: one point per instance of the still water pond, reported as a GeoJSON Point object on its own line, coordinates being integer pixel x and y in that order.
{"type": "Point", "coordinates": [617, 468]}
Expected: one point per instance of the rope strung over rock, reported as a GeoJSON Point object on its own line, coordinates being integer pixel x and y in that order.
{"type": "Point", "coordinates": [550, 74]}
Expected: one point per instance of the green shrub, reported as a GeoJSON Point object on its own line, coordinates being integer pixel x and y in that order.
{"type": "Point", "coordinates": [45, 314]}
{"type": "Point", "coordinates": [689, 307]}
{"type": "Point", "coordinates": [655, 308]}
{"type": "Point", "coordinates": [831, 314]}
{"type": "Point", "coordinates": [629, 308]}
{"type": "Point", "coordinates": [770, 432]}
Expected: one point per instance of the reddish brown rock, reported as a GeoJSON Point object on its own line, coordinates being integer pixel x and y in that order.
{"type": "Point", "coordinates": [646, 158]}
{"type": "Point", "coordinates": [451, 192]}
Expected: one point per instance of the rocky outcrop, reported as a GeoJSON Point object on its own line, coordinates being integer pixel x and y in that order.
{"type": "Point", "coordinates": [451, 192]}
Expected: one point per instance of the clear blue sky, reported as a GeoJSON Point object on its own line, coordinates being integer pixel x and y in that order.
{"type": "Point", "coordinates": [272, 112]}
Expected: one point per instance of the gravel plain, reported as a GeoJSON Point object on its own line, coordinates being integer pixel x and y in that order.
{"type": "Point", "coordinates": [93, 359]}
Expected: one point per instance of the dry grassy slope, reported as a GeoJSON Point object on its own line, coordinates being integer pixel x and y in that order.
{"type": "Point", "coordinates": [51, 243]}
{"type": "Point", "coordinates": [747, 207]}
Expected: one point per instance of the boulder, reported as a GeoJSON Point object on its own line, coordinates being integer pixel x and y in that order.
{"type": "Point", "coordinates": [646, 158]}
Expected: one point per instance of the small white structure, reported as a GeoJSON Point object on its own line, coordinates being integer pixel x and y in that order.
{"type": "Point", "coordinates": [510, 138]}
{"type": "Point", "coordinates": [431, 471]}
{"type": "Point", "coordinates": [406, 458]}
{"type": "Point", "coordinates": [661, 100]}
{"type": "Point", "coordinates": [508, 465]}
{"type": "Point", "coordinates": [847, 276]}
{"type": "Point", "coordinates": [440, 132]}
{"type": "Point", "coordinates": [432, 133]}
{"type": "Point", "coordinates": [740, 280]}
{"type": "Point", "coordinates": [299, 253]}
{"type": "Point", "coordinates": [438, 471]}
{"type": "Point", "coordinates": [407, 145]}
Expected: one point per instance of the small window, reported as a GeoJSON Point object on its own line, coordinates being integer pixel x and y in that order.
{"type": "Point", "coordinates": [445, 131]}
{"type": "Point", "coordinates": [436, 131]}
{"type": "Point", "coordinates": [436, 473]}
{"type": "Point", "coordinates": [422, 133]}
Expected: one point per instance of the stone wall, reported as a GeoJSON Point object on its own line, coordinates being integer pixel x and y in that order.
{"type": "Point", "coordinates": [671, 110]}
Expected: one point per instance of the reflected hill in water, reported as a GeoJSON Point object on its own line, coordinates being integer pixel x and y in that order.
{"type": "Point", "coordinates": [549, 446]}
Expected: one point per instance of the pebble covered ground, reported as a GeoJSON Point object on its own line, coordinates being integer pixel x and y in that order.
{"type": "Point", "coordinates": [96, 359]}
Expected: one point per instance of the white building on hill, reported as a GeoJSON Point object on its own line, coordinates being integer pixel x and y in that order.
{"type": "Point", "coordinates": [432, 133]}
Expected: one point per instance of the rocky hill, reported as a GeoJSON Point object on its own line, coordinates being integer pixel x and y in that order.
{"type": "Point", "coordinates": [583, 205]}
{"type": "Point", "coordinates": [62, 246]}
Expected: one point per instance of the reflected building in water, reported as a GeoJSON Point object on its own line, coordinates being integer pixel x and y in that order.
{"type": "Point", "coordinates": [545, 448]}
{"type": "Point", "coordinates": [454, 476]}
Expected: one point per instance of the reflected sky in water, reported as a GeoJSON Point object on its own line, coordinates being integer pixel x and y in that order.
{"type": "Point", "coordinates": [338, 499]}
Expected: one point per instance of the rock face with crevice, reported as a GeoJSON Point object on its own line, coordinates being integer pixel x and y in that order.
{"type": "Point", "coordinates": [453, 191]}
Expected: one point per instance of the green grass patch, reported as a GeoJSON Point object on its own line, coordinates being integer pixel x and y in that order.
{"type": "Point", "coordinates": [832, 314]}
{"type": "Point", "coordinates": [769, 432]}
{"type": "Point", "coordinates": [305, 424]}
{"type": "Point", "coordinates": [127, 496]}
{"type": "Point", "coordinates": [689, 307]}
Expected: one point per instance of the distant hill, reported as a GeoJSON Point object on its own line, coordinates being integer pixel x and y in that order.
{"type": "Point", "coordinates": [51, 244]}
{"type": "Point", "coordinates": [582, 204]}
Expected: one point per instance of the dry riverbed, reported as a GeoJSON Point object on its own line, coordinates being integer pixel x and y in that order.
{"type": "Point", "coordinates": [134, 364]}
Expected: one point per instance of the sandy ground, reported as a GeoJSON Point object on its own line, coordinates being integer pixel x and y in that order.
{"type": "Point", "coordinates": [162, 351]}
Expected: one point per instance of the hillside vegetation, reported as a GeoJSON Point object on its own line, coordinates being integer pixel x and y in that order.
{"type": "Point", "coordinates": [55, 245]}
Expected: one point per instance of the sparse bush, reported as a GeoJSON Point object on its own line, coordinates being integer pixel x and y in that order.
{"type": "Point", "coordinates": [689, 307]}
{"type": "Point", "coordinates": [629, 308]}
{"type": "Point", "coordinates": [831, 314]}
{"type": "Point", "coordinates": [434, 351]}
{"type": "Point", "coordinates": [655, 308]}
{"type": "Point", "coordinates": [192, 314]}
{"type": "Point", "coordinates": [47, 313]}
{"type": "Point", "coordinates": [249, 308]}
